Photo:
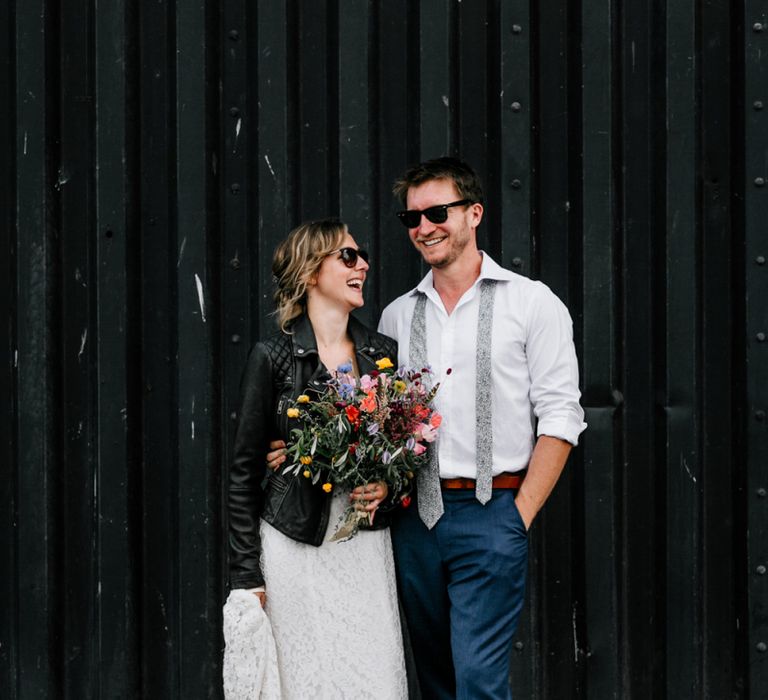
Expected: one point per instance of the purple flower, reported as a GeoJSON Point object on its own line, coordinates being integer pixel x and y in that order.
{"type": "Point", "coordinates": [410, 443]}
{"type": "Point", "coordinates": [386, 457]}
{"type": "Point", "coordinates": [345, 368]}
{"type": "Point", "coordinates": [346, 391]}
{"type": "Point", "coordinates": [373, 428]}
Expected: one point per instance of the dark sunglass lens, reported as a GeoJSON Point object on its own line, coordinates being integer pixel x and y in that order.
{"type": "Point", "coordinates": [410, 218]}
{"type": "Point", "coordinates": [348, 256]}
{"type": "Point", "coordinates": [363, 254]}
{"type": "Point", "coordinates": [437, 215]}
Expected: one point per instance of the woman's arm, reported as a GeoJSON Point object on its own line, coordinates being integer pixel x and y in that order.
{"type": "Point", "coordinates": [248, 469]}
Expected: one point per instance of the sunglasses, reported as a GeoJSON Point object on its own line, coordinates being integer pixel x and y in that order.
{"type": "Point", "coordinates": [411, 218]}
{"type": "Point", "coordinates": [350, 255]}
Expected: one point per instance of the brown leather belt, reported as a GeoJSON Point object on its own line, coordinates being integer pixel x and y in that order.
{"type": "Point", "coordinates": [501, 481]}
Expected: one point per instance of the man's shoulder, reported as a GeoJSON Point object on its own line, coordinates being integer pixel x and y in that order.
{"type": "Point", "coordinates": [399, 308]}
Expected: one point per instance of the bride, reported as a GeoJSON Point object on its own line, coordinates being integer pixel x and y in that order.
{"type": "Point", "coordinates": [332, 605]}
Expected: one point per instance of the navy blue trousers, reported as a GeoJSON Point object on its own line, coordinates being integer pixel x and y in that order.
{"type": "Point", "coordinates": [462, 586]}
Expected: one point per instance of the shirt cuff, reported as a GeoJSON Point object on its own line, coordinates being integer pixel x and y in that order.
{"type": "Point", "coordinates": [563, 427]}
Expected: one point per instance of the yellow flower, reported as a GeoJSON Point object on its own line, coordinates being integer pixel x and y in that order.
{"type": "Point", "coordinates": [302, 399]}
{"type": "Point", "coordinates": [399, 385]}
{"type": "Point", "coordinates": [307, 473]}
{"type": "Point", "coordinates": [327, 487]}
{"type": "Point", "coordinates": [305, 460]}
{"type": "Point", "coordinates": [384, 363]}
{"type": "Point", "coordinates": [292, 413]}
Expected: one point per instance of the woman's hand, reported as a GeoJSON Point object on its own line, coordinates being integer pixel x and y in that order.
{"type": "Point", "coordinates": [367, 498]}
{"type": "Point", "coordinates": [276, 456]}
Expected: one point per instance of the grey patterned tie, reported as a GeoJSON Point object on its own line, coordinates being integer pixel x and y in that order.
{"type": "Point", "coordinates": [483, 408]}
{"type": "Point", "coordinates": [430, 499]}
{"type": "Point", "coordinates": [428, 480]}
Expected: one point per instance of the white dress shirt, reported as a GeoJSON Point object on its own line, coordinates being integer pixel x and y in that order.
{"type": "Point", "coordinates": [535, 376]}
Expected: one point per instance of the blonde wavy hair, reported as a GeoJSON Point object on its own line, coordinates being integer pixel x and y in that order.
{"type": "Point", "coordinates": [297, 260]}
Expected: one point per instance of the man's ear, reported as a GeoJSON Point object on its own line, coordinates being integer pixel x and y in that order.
{"type": "Point", "coordinates": [477, 213]}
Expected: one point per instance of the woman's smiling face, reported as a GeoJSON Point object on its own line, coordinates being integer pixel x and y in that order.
{"type": "Point", "coordinates": [337, 284]}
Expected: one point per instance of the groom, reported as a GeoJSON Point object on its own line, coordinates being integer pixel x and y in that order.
{"type": "Point", "coordinates": [501, 346]}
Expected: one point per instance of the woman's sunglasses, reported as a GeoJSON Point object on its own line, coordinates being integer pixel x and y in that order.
{"type": "Point", "coordinates": [349, 255]}
{"type": "Point", "coordinates": [411, 218]}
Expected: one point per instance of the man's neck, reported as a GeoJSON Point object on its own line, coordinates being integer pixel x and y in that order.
{"type": "Point", "coordinates": [452, 281]}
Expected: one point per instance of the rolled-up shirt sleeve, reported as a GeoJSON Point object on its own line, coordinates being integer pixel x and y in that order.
{"type": "Point", "coordinates": [553, 369]}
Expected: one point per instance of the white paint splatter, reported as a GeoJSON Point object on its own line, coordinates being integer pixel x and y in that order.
{"type": "Point", "coordinates": [16, 358]}
{"type": "Point", "coordinates": [269, 165]}
{"type": "Point", "coordinates": [193, 430]}
{"type": "Point", "coordinates": [25, 143]}
{"type": "Point", "coordinates": [200, 298]}
{"type": "Point", "coordinates": [446, 101]}
{"type": "Point", "coordinates": [83, 338]}
{"type": "Point", "coordinates": [63, 179]}
{"type": "Point", "coordinates": [237, 128]}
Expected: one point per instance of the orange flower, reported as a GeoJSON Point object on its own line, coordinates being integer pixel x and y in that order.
{"type": "Point", "coordinates": [368, 404]}
{"type": "Point", "coordinates": [327, 487]}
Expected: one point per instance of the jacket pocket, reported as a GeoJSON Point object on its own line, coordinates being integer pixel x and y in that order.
{"type": "Point", "coordinates": [275, 492]}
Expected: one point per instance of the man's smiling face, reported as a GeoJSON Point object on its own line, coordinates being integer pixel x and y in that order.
{"type": "Point", "coordinates": [442, 244]}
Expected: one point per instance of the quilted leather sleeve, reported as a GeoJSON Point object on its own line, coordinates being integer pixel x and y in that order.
{"type": "Point", "coordinates": [248, 469]}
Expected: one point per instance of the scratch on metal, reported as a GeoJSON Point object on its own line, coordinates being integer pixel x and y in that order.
{"type": "Point", "coordinates": [269, 165]}
{"type": "Point", "coordinates": [181, 251]}
{"type": "Point", "coordinates": [83, 338]}
{"type": "Point", "coordinates": [575, 639]}
{"type": "Point", "coordinates": [200, 296]}
{"type": "Point", "coordinates": [684, 464]}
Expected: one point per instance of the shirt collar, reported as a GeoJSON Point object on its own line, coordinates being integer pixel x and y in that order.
{"type": "Point", "coordinates": [489, 269]}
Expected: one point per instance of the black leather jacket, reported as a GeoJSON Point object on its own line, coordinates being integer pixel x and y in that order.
{"type": "Point", "coordinates": [278, 369]}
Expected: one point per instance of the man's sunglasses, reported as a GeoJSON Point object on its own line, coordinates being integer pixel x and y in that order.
{"type": "Point", "coordinates": [411, 218]}
{"type": "Point", "coordinates": [349, 255]}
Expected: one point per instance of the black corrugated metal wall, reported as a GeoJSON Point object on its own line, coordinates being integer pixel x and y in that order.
{"type": "Point", "coordinates": [153, 154]}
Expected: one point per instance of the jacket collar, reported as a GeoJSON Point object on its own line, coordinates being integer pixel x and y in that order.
{"type": "Point", "coordinates": [305, 343]}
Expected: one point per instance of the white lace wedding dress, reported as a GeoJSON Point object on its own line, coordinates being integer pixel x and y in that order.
{"type": "Point", "coordinates": [333, 611]}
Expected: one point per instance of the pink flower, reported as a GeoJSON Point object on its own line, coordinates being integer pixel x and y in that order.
{"type": "Point", "coordinates": [428, 433]}
{"type": "Point", "coordinates": [366, 383]}
{"type": "Point", "coordinates": [419, 449]}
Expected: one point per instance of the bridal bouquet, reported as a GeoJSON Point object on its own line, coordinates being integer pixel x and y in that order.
{"type": "Point", "coordinates": [361, 430]}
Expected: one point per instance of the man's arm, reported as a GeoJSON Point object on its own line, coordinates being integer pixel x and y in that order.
{"type": "Point", "coordinates": [544, 469]}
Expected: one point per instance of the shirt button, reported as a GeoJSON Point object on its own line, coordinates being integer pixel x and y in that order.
{"type": "Point", "coordinates": [371, 349]}
{"type": "Point", "coordinates": [300, 351]}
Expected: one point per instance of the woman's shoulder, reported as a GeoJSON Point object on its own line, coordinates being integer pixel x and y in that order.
{"type": "Point", "coordinates": [275, 347]}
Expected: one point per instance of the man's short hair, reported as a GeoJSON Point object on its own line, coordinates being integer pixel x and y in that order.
{"type": "Point", "coordinates": [457, 171]}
